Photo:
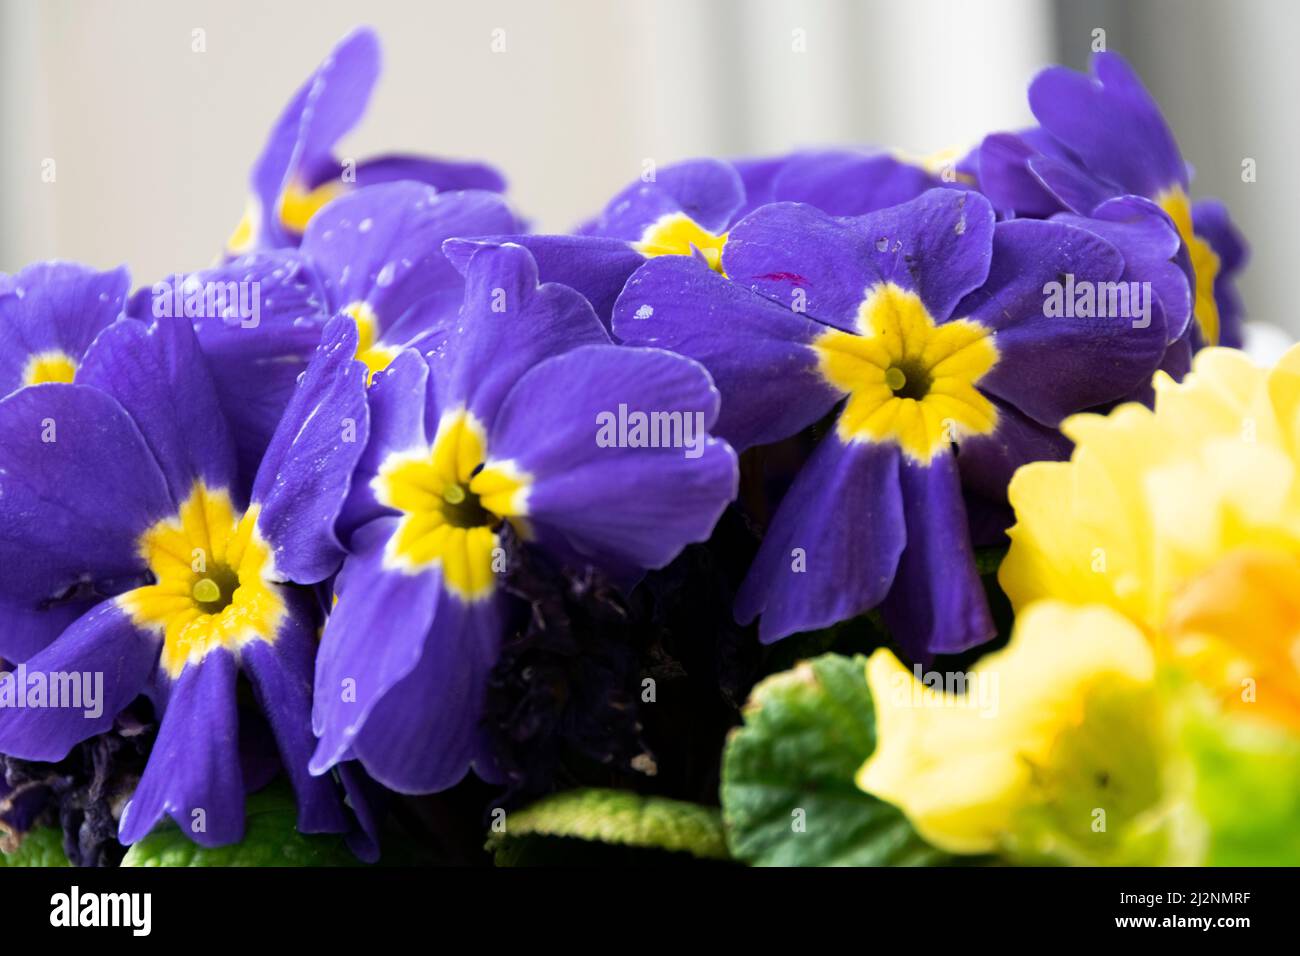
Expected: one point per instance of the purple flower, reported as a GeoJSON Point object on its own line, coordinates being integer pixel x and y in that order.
{"type": "Point", "coordinates": [522, 413]}
{"type": "Point", "coordinates": [842, 182]}
{"type": "Point", "coordinates": [49, 314]}
{"type": "Point", "coordinates": [927, 325]}
{"type": "Point", "coordinates": [373, 255]}
{"type": "Point", "coordinates": [297, 172]}
{"type": "Point", "coordinates": [137, 563]}
{"type": "Point", "coordinates": [685, 209]}
{"type": "Point", "coordinates": [1102, 137]}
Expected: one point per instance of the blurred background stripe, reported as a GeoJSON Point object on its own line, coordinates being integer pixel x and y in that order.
{"type": "Point", "coordinates": [152, 142]}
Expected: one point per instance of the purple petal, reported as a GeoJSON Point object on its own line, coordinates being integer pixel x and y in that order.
{"type": "Point", "coordinates": [258, 320]}
{"type": "Point", "coordinates": [325, 107]}
{"type": "Point", "coordinates": [987, 462]}
{"type": "Point", "coordinates": [1153, 252]}
{"type": "Point", "coordinates": [1211, 221]}
{"type": "Point", "coordinates": [367, 648]}
{"type": "Point", "coordinates": [307, 472]}
{"type": "Point", "coordinates": [756, 350]}
{"type": "Point", "coordinates": [617, 505]}
{"type": "Point", "coordinates": [54, 307]}
{"type": "Point", "coordinates": [424, 734]}
{"type": "Point", "coordinates": [757, 175]}
{"type": "Point", "coordinates": [1053, 363]}
{"type": "Point", "coordinates": [508, 324]}
{"type": "Point", "coordinates": [831, 551]}
{"type": "Point", "coordinates": [597, 266]}
{"type": "Point", "coordinates": [397, 423]}
{"type": "Point", "coordinates": [26, 629]}
{"type": "Point", "coordinates": [102, 660]}
{"type": "Point", "coordinates": [367, 801]}
{"type": "Point", "coordinates": [444, 175]}
{"type": "Point", "coordinates": [382, 246]}
{"type": "Point", "coordinates": [709, 191]}
{"type": "Point", "coordinates": [1112, 123]}
{"type": "Point", "coordinates": [937, 604]}
{"type": "Point", "coordinates": [1005, 176]}
{"type": "Point", "coordinates": [280, 673]}
{"type": "Point", "coordinates": [193, 774]}
{"type": "Point", "coordinates": [1074, 187]}
{"type": "Point", "coordinates": [938, 245]}
{"type": "Point", "coordinates": [847, 183]}
{"type": "Point", "coordinates": [1176, 363]}
{"type": "Point", "coordinates": [159, 375]}
{"type": "Point", "coordinates": [84, 539]}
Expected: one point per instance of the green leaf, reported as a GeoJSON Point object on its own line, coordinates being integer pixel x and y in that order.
{"type": "Point", "coordinates": [613, 817]}
{"type": "Point", "coordinates": [271, 838]}
{"type": "Point", "coordinates": [1247, 790]}
{"type": "Point", "coordinates": [788, 792]}
{"type": "Point", "coordinates": [43, 847]}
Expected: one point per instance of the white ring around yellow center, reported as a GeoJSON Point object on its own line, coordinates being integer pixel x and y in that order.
{"type": "Point", "coordinates": [49, 366]}
{"type": "Point", "coordinates": [452, 500]}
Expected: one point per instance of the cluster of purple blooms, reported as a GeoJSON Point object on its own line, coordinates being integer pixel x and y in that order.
{"type": "Point", "coordinates": [282, 529]}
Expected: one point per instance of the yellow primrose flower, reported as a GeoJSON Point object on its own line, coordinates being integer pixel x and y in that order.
{"type": "Point", "coordinates": [1051, 751]}
{"type": "Point", "coordinates": [1185, 520]}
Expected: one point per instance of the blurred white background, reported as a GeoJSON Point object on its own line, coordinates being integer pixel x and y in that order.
{"type": "Point", "coordinates": [152, 142]}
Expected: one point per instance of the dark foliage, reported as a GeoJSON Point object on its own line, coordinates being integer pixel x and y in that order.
{"type": "Point", "coordinates": [83, 794]}
{"type": "Point", "coordinates": [602, 687]}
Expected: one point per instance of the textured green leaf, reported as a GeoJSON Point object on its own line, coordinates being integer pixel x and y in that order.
{"type": "Point", "coordinates": [43, 847]}
{"type": "Point", "coordinates": [615, 817]}
{"type": "Point", "coordinates": [788, 794]}
{"type": "Point", "coordinates": [271, 838]}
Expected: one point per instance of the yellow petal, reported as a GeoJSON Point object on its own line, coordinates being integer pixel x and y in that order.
{"type": "Point", "coordinates": [963, 767]}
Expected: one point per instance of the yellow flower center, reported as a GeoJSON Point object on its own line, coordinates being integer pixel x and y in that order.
{"type": "Point", "coordinates": [1205, 261]}
{"type": "Point", "coordinates": [299, 205]}
{"type": "Point", "coordinates": [942, 163]}
{"type": "Point", "coordinates": [52, 366]}
{"type": "Point", "coordinates": [374, 355]}
{"type": "Point", "coordinates": [909, 380]}
{"type": "Point", "coordinates": [213, 581]}
{"type": "Point", "coordinates": [241, 240]}
{"type": "Point", "coordinates": [677, 234]}
{"type": "Point", "coordinates": [452, 500]}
